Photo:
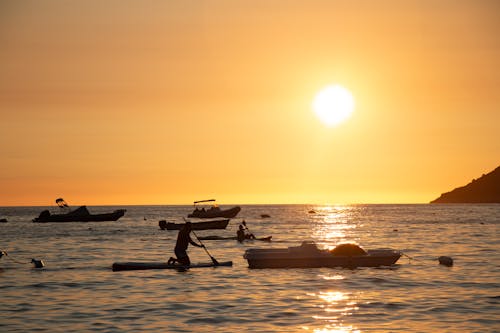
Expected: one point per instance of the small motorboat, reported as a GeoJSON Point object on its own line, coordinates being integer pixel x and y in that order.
{"type": "Point", "coordinates": [307, 255]}
{"type": "Point", "coordinates": [81, 214]}
{"type": "Point", "coordinates": [215, 224]}
{"type": "Point", "coordinates": [214, 211]}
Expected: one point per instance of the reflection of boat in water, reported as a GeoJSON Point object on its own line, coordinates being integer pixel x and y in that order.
{"type": "Point", "coordinates": [308, 255]}
{"type": "Point", "coordinates": [213, 211]}
{"type": "Point", "coordinates": [81, 214]}
{"type": "Point", "coordinates": [215, 224]}
{"type": "Point", "coordinates": [213, 237]}
{"type": "Point", "coordinates": [128, 266]}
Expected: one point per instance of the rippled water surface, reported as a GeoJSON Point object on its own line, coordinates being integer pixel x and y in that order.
{"type": "Point", "coordinates": [76, 291]}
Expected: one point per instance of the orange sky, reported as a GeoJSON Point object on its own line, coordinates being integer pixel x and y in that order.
{"type": "Point", "coordinates": [166, 102]}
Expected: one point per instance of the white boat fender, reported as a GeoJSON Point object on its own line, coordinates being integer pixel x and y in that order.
{"type": "Point", "coordinates": [37, 263]}
{"type": "Point", "coordinates": [446, 261]}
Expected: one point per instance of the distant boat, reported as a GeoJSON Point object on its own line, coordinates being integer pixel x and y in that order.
{"type": "Point", "coordinates": [3, 220]}
{"type": "Point", "coordinates": [215, 224]}
{"type": "Point", "coordinates": [81, 214]}
{"type": "Point", "coordinates": [265, 216]}
{"type": "Point", "coordinates": [214, 211]}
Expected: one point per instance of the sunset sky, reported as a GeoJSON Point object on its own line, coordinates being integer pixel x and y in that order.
{"type": "Point", "coordinates": [166, 102]}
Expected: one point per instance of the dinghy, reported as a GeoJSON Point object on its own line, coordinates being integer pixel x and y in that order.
{"type": "Point", "coordinates": [81, 214]}
{"type": "Point", "coordinates": [216, 224]}
{"type": "Point", "coordinates": [129, 266]}
{"type": "Point", "coordinates": [308, 255]}
{"type": "Point", "coordinates": [214, 211]}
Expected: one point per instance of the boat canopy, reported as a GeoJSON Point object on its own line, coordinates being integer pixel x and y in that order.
{"type": "Point", "coordinates": [61, 203]}
{"type": "Point", "coordinates": [200, 201]}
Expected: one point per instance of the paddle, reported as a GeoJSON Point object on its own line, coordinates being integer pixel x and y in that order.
{"type": "Point", "coordinates": [245, 225]}
{"type": "Point", "coordinates": [216, 263]}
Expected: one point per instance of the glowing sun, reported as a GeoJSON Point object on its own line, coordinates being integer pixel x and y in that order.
{"type": "Point", "coordinates": [333, 105]}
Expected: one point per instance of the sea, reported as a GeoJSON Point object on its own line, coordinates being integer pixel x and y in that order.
{"type": "Point", "coordinates": [76, 290]}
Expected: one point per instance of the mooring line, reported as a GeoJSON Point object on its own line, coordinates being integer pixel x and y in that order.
{"type": "Point", "coordinates": [35, 262]}
{"type": "Point", "coordinates": [410, 258]}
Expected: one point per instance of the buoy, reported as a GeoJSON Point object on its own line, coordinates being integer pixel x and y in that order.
{"type": "Point", "coordinates": [446, 261]}
{"type": "Point", "coordinates": [37, 263]}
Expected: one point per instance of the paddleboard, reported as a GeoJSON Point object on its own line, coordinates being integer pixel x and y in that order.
{"type": "Point", "coordinates": [265, 239]}
{"type": "Point", "coordinates": [128, 266]}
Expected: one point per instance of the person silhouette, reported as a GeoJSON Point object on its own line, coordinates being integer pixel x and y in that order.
{"type": "Point", "coordinates": [240, 234]}
{"type": "Point", "coordinates": [183, 241]}
{"type": "Point", "coordinates": [243, 233]}
{"type": "Point", "coordinates": [248, 234]}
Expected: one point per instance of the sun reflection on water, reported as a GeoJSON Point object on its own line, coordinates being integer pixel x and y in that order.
{"type": "Point", "coordinates": [335, 306]}
{"type": "Point", "coordinates": [333, 224]}
{"type": "Point", "coordinates": [337, 330]}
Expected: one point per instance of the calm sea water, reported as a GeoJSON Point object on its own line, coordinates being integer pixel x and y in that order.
{"type": "Point", "coordinates": [77, 291]}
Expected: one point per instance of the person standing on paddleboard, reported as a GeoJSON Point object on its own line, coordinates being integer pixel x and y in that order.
{"type": "Point", "coordinates": [183, 241]}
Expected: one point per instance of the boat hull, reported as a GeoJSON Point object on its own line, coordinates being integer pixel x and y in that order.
{"type": "Point", "coordinates": [213, 213]}
{"type": "Point", "coordinates": [72, 217]}
{"type": "Point", "coordinates": [216, 224]}
{"type": "Point", "coordinates": [133, 266]}
{"type": "Point", "coordinates": [283, 258]}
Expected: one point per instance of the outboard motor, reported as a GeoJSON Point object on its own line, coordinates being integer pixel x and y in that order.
{"type": "Point", "coordinates": [45, 214]}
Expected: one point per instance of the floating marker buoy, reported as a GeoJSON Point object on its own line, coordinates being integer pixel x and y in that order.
{"type": "Point", "coordinates": [37, 263]}
{"type": "Point", "coordinates": [446, 261]}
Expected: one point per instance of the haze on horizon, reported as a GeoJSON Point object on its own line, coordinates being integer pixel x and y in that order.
{"type": "Point", "coordinates": [166, 102]}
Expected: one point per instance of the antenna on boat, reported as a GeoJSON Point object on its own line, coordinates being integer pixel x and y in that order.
{"type": "Point", "coordinates": [61, 203]}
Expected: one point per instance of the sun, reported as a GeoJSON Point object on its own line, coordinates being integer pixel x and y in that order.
{"type": "Point", "coordinates": [333, 105]}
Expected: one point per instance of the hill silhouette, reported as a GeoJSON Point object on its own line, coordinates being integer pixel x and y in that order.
{"type": "Point", "coordinates": [485, 189]}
